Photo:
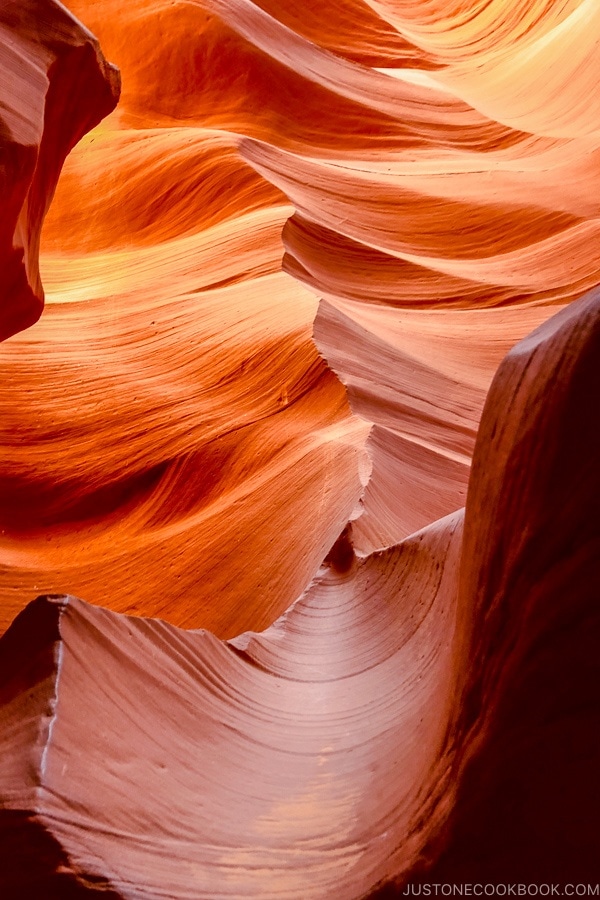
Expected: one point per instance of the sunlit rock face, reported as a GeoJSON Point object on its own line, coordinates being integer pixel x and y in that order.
{"type": "Point", "coordinates": [171, 414]}
{"type": "Point", "coordinates": [280, 278]}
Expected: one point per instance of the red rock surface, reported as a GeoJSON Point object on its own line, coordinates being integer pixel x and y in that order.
{"type": "Point", "coordinates": [280, 279]}
{"type": "Point", "coordinates": [56, 86]}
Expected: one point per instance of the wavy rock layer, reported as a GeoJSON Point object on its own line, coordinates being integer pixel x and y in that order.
{"type": "Point", "coordinates": [528, 709]}
{"type": "Point", "coordinates": [392, 688]}
{"type": "Point", "coordinates": [170, 412]}
{"type": "Point", "coordinates": [399, 700]}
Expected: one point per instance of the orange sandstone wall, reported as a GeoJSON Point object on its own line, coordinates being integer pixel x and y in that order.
{"type": "Point", "coordinates": [280, 278]}
{"type": "Point", "coordinates": [429, 171]}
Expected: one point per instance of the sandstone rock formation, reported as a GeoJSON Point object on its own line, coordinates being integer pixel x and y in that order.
{"type": "Point", "coordinates": [437, 690]}
{"type": "Point", "coordinates": [56, 86]}
{"type": "Point", "coordinates": [182, 419]}
{"type": "Point", "coordinates": [281, 277]}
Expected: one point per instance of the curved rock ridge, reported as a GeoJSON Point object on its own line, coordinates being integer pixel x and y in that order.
{"type": "Point", "coordinates": [527, 709]}
{"type": "Point", "coordinates": [170, 412]}
{"type": "Point", "coordinates": [477, 202]}
{"type": "Point", "coordinates": [430, 169]}
{"type": "Point", "coordinates": [56, 86]}
{"type": "Point", "coordinates": [261, 763]}
{"type": "Point", "coordinates": [416, 707]}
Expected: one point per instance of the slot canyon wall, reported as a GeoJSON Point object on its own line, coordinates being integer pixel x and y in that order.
{"type": "Point", "coordinates": [299, 483]}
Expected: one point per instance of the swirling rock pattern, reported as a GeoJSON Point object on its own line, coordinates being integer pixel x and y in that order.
{"type": "Point", "coordinates": [181, 411]}
{"type": "Point", "coordinates": [280, 279]}
{"type": "Point", "coordinates": [324, 755]}
{"type": "Point", "coordinates": [182, 420]}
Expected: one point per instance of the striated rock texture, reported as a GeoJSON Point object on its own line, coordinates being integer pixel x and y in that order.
{"type": "Point", "coordinates": [280, 279]}
{"type": "Point", "coordinates": [170, 412]}
{"type": "Point", "coordinates": [56, 86]}
{"type": "Point", "coordinates": [444, 692]}
{"type": "Point", "coordinates": [527, 710]}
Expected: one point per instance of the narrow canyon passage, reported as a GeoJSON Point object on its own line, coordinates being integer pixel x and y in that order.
{"type": "Point", "coordinates": [298, 446]}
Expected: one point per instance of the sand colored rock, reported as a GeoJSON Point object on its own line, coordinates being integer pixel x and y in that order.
{"type": "Point", "coordinates": [263, 761]}
{"type": "Point", "coordinates": [284, 281]}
